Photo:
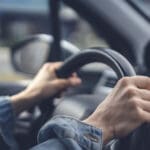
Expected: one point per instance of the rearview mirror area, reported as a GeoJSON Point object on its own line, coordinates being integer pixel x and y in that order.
{"type": "Point", "coordinates": [30, 54]}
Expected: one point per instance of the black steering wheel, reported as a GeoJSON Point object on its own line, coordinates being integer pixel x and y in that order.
{"type": "Point", "coordinates": [111, 58]}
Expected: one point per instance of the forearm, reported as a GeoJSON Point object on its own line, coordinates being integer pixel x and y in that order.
{"type": "Point", "coordinates": [7, 122]}
{"type": "Point", "coordinates": [24, 100]}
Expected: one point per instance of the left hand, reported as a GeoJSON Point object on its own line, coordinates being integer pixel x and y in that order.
{"type": "Point", "coordinates": [44, 85]}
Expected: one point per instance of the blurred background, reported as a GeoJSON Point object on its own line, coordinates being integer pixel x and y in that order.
{"type": "Point", "coordinates": [22, 18]}
{"type": "Point", "coordinates": [123, 24]}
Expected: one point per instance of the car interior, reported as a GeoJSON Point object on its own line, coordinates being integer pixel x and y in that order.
{"type": "Point", "coordinates": [127, 31]}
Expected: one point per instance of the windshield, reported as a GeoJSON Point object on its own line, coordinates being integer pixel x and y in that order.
{"type": "Point", "coordinates": [28, 6]}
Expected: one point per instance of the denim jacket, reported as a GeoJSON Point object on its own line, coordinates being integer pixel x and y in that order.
{"type": "Point", "coordinates": [60, 133]}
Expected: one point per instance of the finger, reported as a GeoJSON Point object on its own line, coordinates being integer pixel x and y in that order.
{"type": "Point", "coordinates": [144, 115]}
{"type": "Point", "coordinates": [48, 69]}
{"type": "Point", "coordinates": [142, 82]}
{"type": "Point", "coordinates": [144, 105]}
{"type": "Point", "coordinates": [56, 65]}
{"type": "Point", "coordinates": [51, 66]}
{"type": "Point", "coordinates": [74, 74]}
{"type": "Point", "coordinates": [74, 81]}
{"type": "Point", "coordinates": [60, 84]}
{"type": "Point", "coordinates": [144, 94]}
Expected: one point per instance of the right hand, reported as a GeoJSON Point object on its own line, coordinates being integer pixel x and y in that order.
{"type": "Point", "coordinates": [124, 109]}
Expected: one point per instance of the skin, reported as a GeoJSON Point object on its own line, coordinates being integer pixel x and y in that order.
{"type": "Point", "coordinates": [44, 85]}
{"type": "Point", "coordinates": [122, 111]}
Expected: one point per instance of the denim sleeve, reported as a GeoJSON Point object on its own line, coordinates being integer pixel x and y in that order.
{"type": "Point", "coordinates": [66, 133]}
{"type": "Point", "coordinates": [7, 122]}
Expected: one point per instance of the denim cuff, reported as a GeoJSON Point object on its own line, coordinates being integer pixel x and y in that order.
{"type": "Point", "coordinates": [68, 129]}
{"type": "Point", "coordinates": [7, 121]}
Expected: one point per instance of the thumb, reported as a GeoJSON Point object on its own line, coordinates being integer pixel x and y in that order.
{"type": "Point", "coordinates": [60, 84]}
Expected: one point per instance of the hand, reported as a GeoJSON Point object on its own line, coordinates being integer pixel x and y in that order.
{"type": "Point", "coordinates": [124, 109]}
{"type": "Point", "coordinates": [44, 85]}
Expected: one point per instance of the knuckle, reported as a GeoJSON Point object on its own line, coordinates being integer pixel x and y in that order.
{"type": "Point", "coordinates": [125, 81]}
{"type": "Point", "coordinates": [134, 103]}
{"type": "Point", "coordinates": [47, 66]}
{"type": "Point", "coordinates": [130, 92]}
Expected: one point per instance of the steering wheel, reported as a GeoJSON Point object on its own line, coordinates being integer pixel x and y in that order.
{"type": "Point", "coordinates": [113, 59]}
{"type": "Point", "coordinates": [80, 106]}
{"type": "Point", "coordinates": [86, 103]}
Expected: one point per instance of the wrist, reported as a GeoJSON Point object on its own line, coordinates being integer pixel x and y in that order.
{"type": "Point", "coordinates": [23, 100]}
{"type": "Point", "coordinates": [107, 131]}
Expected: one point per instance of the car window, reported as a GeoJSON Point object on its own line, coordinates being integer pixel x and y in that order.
{"type": "Point", "coordinates": [22, 18]}
{"type": "Point", "coordinates": [18, 20]}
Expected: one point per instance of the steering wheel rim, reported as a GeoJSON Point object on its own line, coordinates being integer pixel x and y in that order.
{"type": "Point", "coordinates": [107, 56]}
{"type": "Point", "coordinates": [121, 60]}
